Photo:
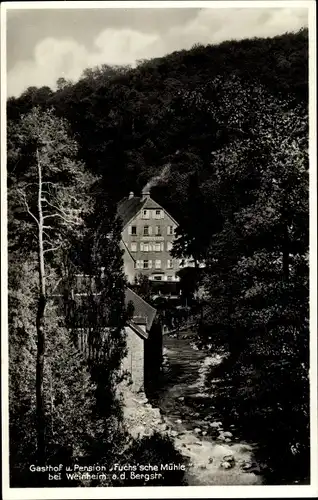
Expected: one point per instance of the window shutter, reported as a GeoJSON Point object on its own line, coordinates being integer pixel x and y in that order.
{"type": "Point", "coordinates": [150, 247]}
{"type": "Point", "coordinates": [162, 214]}
{"type": "Point", "coordinates": [150, 230]}
{"type": "Point", "coordinates": [141, 247]}
{"type": "Point", "coordinates": [150, 264]}
{"type": "Point", "coordinates": [129, 229]}
{"type": "Point", "coordinates": [162, 246]}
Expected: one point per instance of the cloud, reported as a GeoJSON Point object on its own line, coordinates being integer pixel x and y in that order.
{"type": "Point", "coordinates": [65, 57]}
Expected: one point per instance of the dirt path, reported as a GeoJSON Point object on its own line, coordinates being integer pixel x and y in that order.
{"type": "Point", "coordinates": [216, 456]}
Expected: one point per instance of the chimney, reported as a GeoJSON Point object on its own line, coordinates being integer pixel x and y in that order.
{"type": "Point", "coordinates": [145, 195]}
{"type": "Point", "coordinates": [131, 195]}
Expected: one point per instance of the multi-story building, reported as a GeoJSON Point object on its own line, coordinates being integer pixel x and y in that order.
{"type": "Point", "coordinates": [147, 239]}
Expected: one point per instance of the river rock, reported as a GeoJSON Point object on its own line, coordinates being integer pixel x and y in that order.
{"type": "Point", "coordinates": [173, 433]}
{"type": "Point", "coordinates": [197, 430]}
{"type": "Point", "coordinates": [226, 465]}
{"type": "Point", "coordinates": [246, 465]}
{"type": "Point", "coordinates": [227, 434]}
{"type": "Point", "coordinates": [179, 421]}
{"type": "Point", "coordinates": [215, 425]}
{"type": "Point", "coordinates": [181, 398]}
{"type": "Point", "coordinates": [204, 433]}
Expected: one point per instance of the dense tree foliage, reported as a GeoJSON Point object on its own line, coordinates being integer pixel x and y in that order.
{"type": "Point", "coordinates": [66, 288]}
{"type": "Point", "coordinates": [60, 404]}
{"type": "Point", "coordinates": [231, 121]}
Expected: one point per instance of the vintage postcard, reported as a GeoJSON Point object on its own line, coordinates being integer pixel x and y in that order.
{"type": "Point", "coordinates": [159, 247]}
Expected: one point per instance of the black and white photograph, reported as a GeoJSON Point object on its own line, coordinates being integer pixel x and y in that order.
{"type": "Point", "coordinates": [159, 323]}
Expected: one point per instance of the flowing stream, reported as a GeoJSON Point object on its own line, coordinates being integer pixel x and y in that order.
{"type": "Point", "coordinates": [216, 456]}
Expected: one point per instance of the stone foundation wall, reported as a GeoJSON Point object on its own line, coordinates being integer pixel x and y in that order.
{"type": "Point", "coordinates": [134, 361]}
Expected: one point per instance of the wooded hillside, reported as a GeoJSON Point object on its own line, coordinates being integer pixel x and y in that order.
{"type": "Point", "coordinates": [230, 124]}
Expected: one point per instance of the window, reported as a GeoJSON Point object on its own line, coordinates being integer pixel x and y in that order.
{"type": "Point", "coordinates": [170, 230]}
{"type": "Point", "coordinates": [158, 264]}
{"type": "Point", "coordinates": [169, 246]}
{"type": "Point", "coordinates": [157, 278]}
{"type": "Point", "coordinates": [157, 214]}
{"type": "Point", "coordinates": [146, 264]}
{"type": "Point", "coordinates": [132, 230]}
{"type": "Point", "coordinates": [146, 230]}
{"type": "Point", "coordinates": [169, 264]}
{"type": "Point", "coordinates": [145, 214]}
{"type": "Point", "coordinates": [146, 247]}
{"type": "Point", "coordinates": [157, 247]}
{"type": "Point", "coordinates": [133, 247]}
{"type": "Point", "coordinates": [169, 278]}
{"type": "Point", "coordinates": [158, 231]}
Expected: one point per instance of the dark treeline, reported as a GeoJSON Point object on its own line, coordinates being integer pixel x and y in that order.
{"type": "Point", "coordinates": [231, 121]}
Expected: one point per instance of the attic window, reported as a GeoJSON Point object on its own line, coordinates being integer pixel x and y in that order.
{"type": "Point", "coordinates": [145, 214]}
{"type": "Point", "coordinates": [157, 214]}
{"type": "Point", "coordinates": [133, 230]}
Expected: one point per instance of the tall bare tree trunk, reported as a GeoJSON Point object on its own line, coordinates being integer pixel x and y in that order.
{"type": "Point", "coordinates": [286, 253]}
{"type": "Point", "coordinates": [286, 243]}
{"type": "Point", "coordinates": [40, 411]}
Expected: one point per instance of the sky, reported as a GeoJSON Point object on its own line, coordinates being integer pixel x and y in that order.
{"type": "Point", "coordinates": [44, 45]}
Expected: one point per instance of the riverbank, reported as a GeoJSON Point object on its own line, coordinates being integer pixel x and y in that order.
{"type": "Point", "coordinates": [181, 410]}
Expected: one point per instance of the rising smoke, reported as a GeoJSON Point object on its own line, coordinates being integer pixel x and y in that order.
{"type": "Point", "coordinates": [154, 181]}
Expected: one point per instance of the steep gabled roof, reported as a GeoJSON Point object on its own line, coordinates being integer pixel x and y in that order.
{"type": "Point", "coordinates": [128, 207]}
{"type": "Point", "coordinates": [137, 329]}
{"type": "Point", "coordinates": [151, 204]}
{"type": "Point", "coordinates": [144, 313]}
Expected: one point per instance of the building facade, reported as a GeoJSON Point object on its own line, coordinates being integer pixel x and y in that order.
{"type": "Point", "coordinates": [147, 239]}
{"type": "Point", "coordinates": [143, 359]}
{"type": "Point", "coordinates": [144, 343]}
